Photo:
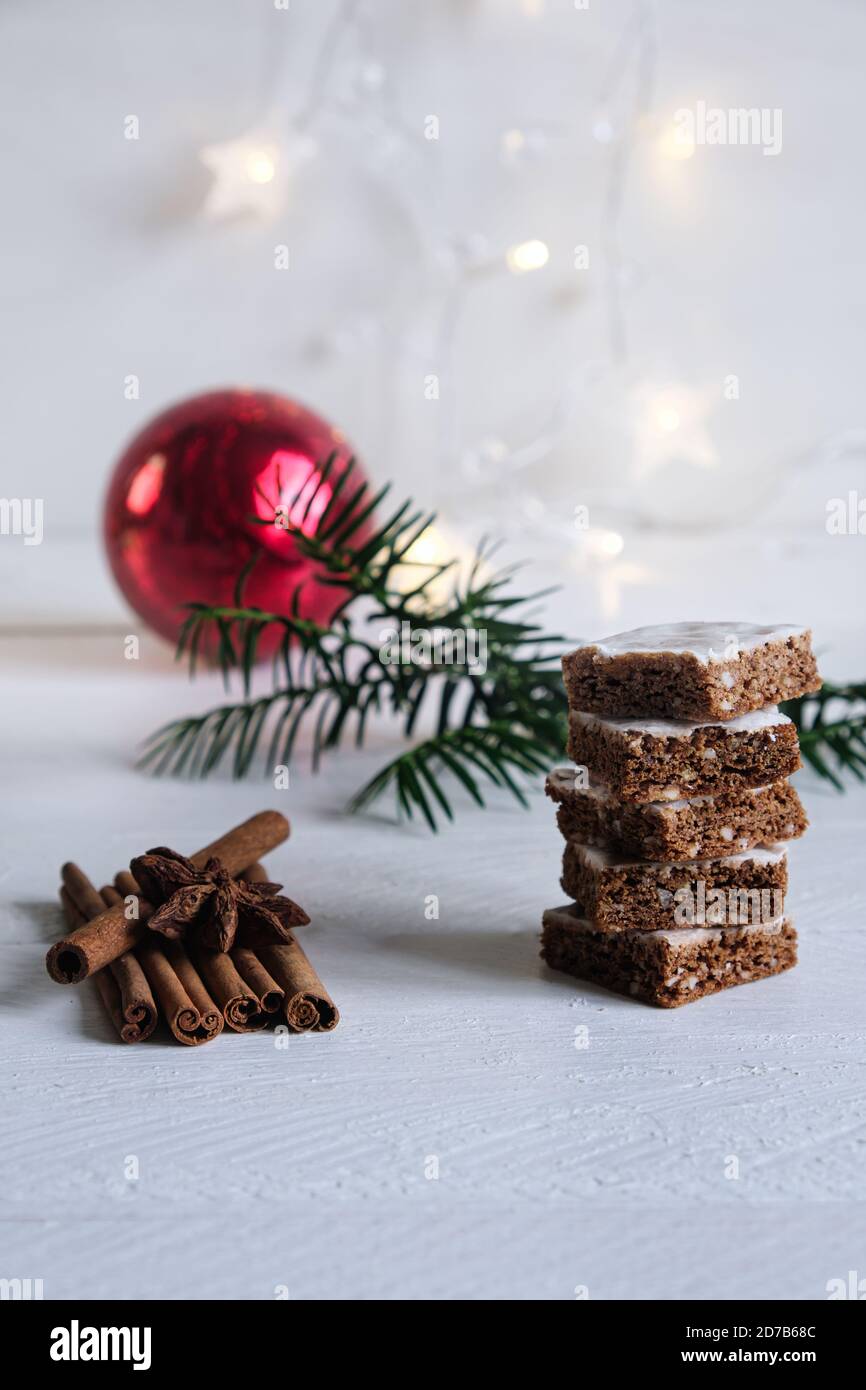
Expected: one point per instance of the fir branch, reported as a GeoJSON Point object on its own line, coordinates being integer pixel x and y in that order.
{"type": "Point", "coordinates": [496, 752]}
{"type": "Point", "coordinates": [494, 726]}
{"type": "Point", "coordinates": [831, 726]}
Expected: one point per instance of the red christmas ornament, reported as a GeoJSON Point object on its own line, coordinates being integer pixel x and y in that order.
{"type": "Point", "coordinates": [178, 514]}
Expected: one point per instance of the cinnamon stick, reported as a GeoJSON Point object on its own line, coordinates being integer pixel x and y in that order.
{"type": "Point", "coordinates": [103, 981]}
{"type": "Point", "coordinates": [191, 1013]}
{"type": "Point", "coordinates": [128, 975]}
{"type": "Point", "coordinates": [122, 987]}
{"type": "Point", "coordinates": [263, 985]}
{"type": "Point", "coordinates": [309, 1007]}
{"type": "Point", "coordinates": [111, 934]}
{"type": "Point", "coordinates": [240, 1005]}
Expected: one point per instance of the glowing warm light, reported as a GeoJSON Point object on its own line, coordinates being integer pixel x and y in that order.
{"type": "Point", "coordinates": [261, 166]}
{"type": "Point", "coordinates": [429, 549]}
{"type": "Point", "coordinates": [513, 141]}
{"type": "Point", "coordinates": [672, 425]}
{"type": "Point", "coordinates": [433, 548]}
{"type": "Point", "coordinates": [668, 419]}
{"type": "Point", "coordinates": [527, 255]}
{"type": "Point", "coordinates": [670, 409]}
{"type": "Point", "coordinates": [603, 544]}
{"type": "Point", "coordinates": [249, 175]}
{"type": "Point", "coordinates": [676, 144]}
{"type": "Point", "coordinates": [146, 486]}
{"type": "Point", "coordinates": [597, 559]}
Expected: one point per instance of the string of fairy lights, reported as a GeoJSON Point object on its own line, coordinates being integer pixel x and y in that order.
{"type": "Point", "coordinates": [252, 173]}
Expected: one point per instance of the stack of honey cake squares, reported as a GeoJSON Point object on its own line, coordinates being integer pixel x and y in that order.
{"type": "Point", "coordinates": [677, 809]}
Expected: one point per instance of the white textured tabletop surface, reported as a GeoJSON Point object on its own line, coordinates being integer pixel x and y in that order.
{"type": "Point", "coordinates": [560, 1168]}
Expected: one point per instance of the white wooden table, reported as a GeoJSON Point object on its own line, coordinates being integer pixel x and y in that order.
{"type": "Point", "coordinates": [559, 1167]}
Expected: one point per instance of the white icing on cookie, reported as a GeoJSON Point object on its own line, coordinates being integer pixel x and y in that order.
{"type": "Point", "coordinates": [677, 938]}
{"type": "Point", "coordinates": [697, 936]}
{"type": "Point", "coordinates": [768, 718]}
{"type": "Point", "coordinates": [761, 854]}
{"type": "Point", "coordinates": [561, 779]}
{"type": "Point", "coordinates": [705, 641]}
{"type": "Point", "coordinates": [597, 859]}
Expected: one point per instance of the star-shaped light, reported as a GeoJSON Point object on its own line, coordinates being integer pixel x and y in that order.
{"type": "Point", "coordinates": [249, 177]}
{"type": "Point", "coordinates": [672, 426]}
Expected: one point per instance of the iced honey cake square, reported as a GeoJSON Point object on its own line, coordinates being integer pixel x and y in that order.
{"type": "Point", "coordinates": [666, 968]}
{"type": "Point", "coordinates": [667, 759]}
{"type": "Point", "coordinates": [702, 671]}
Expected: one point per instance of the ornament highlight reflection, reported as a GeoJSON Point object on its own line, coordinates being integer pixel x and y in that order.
{"type": "Point", "coordinates": [190, 496]}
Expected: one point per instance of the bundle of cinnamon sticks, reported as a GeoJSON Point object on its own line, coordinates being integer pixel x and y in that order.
{"type": "Point", "coordinates": [141, 974]}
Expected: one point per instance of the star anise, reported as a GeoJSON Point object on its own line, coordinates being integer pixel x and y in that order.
{"type": "Point", "coordinates": [209, 906]}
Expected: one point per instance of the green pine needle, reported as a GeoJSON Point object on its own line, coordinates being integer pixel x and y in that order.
{"type": "Point", "coordinates": [493, 729]}
{"type": "Point", "coordinates": [831, 726]}
{"type": "Point", "coordinates": [496, 752]}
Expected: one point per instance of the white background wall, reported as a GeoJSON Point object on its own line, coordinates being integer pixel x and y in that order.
{"type": "Point", "coordinates": [116, 261]}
